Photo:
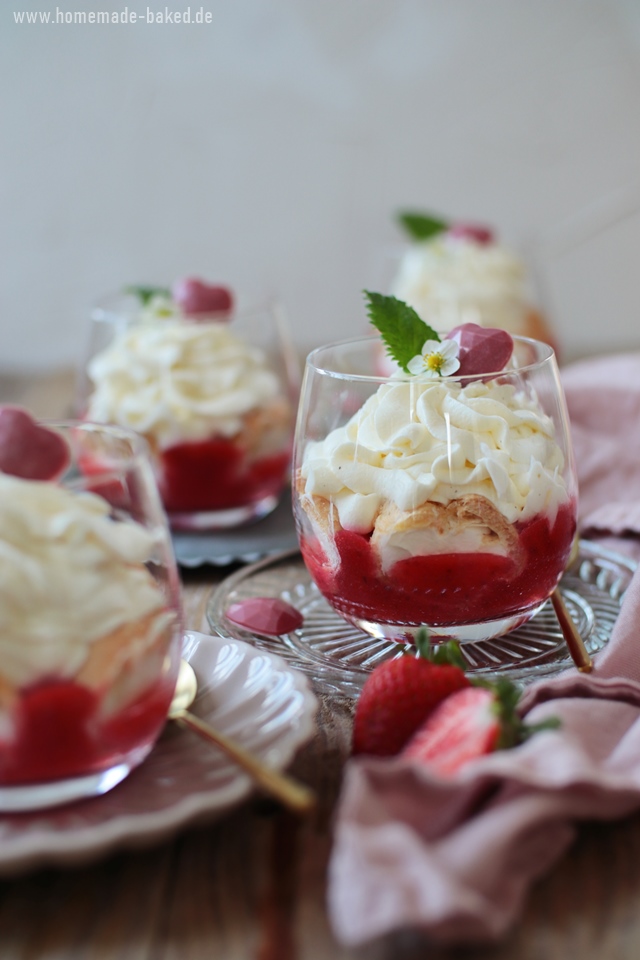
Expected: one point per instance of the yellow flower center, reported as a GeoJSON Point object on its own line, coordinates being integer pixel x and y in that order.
{"type": "Point", "coordinates": [434, 361]}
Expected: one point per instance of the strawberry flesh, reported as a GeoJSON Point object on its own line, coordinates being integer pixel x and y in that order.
{"type": "Point", "coordinates": [465, 726]}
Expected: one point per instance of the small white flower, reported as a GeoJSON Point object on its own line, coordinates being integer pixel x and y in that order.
{"type": "Point", "coordinates": [436, 359]}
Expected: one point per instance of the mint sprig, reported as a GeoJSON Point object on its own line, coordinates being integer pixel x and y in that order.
{"type": "Point", "coordinates": [421, 226]}
{"type": "Point", "coordinates": [402, 331]}
{"type": "Point", "coordinates": [146, 294]}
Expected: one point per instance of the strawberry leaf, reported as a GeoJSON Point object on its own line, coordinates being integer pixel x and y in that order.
{"type": "Point", "coordinates": [551, 723]}
{"type": "Point", "coordinates": [513, 730]}
{"type": "Point", "coordinates": [423, 643]}
{"type": "Point", "coordinates": [421, 226]}
{"type": "Point", "coordinates": [403, 332]}
{"type": "Point", "coordinates": [450, 653]}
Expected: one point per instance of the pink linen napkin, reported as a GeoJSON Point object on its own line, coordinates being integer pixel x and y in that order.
{"type": "Point", "coordinates": [603, 399]}
{"type": "Point", "coordinates": [456, 858]}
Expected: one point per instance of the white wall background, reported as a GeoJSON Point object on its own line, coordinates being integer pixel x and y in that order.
{"type": "Point", "coordinates": [274, 145]}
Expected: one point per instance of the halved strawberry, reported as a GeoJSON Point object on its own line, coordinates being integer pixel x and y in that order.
{"type": "Point", "coordinates": [470, 724]}
{"type": "Point", "coordinates": [399, 694]}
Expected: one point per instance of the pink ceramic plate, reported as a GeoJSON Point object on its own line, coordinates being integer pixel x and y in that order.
{"type": "Point", "coordinates": [248, 693]}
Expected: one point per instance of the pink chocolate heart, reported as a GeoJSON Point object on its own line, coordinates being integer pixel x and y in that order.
{"type": "Point", "coordinates": [197, 298]}
{"type": "Point", "coordinates": [472, 231]}
{"type": "Point", "coordinates": [29, 450]}
{"type": "Point", "coordinates": [268, 615]}
{"type": "Point", "coordinates": [482, 349]}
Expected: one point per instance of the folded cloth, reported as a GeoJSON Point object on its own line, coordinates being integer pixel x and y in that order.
{"type": "Point", "coordinates": [603, 399]}
{"type": "Point", "coordinates": [455, 858]}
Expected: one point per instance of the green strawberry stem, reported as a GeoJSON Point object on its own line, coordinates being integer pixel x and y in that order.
{"type": "Point", "coordinates": [513, 729]}
{"type": "Point", "coordinates": [444, 653]}
{"type": "Point", "coordinates": [551, 723]}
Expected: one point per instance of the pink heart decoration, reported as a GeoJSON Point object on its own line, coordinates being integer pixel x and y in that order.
{"type": "Point", "coordinates": [472, 231]}
{"type": "Point", "coordinates": [197, 298]}
{"type": "Point", "coordinates": [268, 615]}
{"type": "Point", "coordinates": [482, 349]}
{"type": "Point", "coordinates": [29, 450]}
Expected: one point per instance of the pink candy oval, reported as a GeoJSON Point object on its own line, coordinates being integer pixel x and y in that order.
{"type": "Point", "coordinates": [482, 349]}
{"type": "Point", "coordinates": [268, 615]}
{"type": "Point", "coordinates": [29, 450]}
{"type": "Point", "coordinates": [197, 298]}
{"type": "Point", "coordinates": [472, 231]}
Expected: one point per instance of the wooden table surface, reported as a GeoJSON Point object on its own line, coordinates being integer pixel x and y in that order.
{"type": "Point", "coordinates": [252, 884]}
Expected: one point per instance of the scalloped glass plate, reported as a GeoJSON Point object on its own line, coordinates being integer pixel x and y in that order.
{"type": "Point", "coordinates": [245, 692]}
{"type": "Point", "coordinates": [339, 657]}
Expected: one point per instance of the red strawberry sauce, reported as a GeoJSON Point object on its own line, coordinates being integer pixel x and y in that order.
{"type": "Point", "coordinates": [216, 475]}
{"type": "Point", "coordinates": [444, 589]}
{"type": "Point", "coordinates": [59, 733]}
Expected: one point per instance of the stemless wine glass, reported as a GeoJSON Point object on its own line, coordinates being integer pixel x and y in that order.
{"type": "Point", "coordinates": [91, 621]}
{"type": "Point", "coordinates": [465, 275]}
{"type": "Point", "coordinates": [214, 396]}
{"type": "Point", "coordinates": [446, 503]}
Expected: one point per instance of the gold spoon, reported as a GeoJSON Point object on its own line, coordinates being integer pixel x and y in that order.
{"type": "Point", "coordinates": [574, 641]}
{"type": "Point", "coordinates": [294, 795]}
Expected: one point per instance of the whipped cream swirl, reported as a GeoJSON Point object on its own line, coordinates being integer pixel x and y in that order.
{"type": "Point", "coordinates": [174, 380]}
{"type": "Point", "coordinates": [70, 576]}
{"type": "Point", "coordinates": [415, 441]}
{"type": "Point", "coordinates": [451, 280]}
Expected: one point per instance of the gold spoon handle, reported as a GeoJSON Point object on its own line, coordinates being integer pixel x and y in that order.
{"type": "Point", "coordinates": [574, 641]}
{"type": "Point", "coordinates": [294, 795]}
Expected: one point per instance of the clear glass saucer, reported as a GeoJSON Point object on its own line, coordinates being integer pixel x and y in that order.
{"type": "Point", "coordinates": [338, 656]}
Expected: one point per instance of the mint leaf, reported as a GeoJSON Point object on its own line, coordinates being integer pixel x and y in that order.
{"type": "Point", "coordinates": [421, 226]}
{"type": "Point", "coordinates": [403, 332]}
{"type": "Point", "coordinates": [145, 294]}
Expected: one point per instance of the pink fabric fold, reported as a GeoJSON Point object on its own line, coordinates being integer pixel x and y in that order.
{"type": "Point", "coordinates": [603, 399]}
{"type": "Point", "coordinates": [456, 858]}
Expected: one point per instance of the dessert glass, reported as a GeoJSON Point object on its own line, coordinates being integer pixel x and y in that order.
{"type": "Point", "coordinates": [90, 621]}
{"type": "Point", "coordinates": [455, 278]}
{"type": "Point", "coordinates": [448, 503]}
{"type": "Point", "coordinates": [213, 396]}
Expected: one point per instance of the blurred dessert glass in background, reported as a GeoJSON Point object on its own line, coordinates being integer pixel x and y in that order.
{"type": "Point", "coordinates": [454, 273]}
{"type": "Point", "coordinates": [90, 623]}
{"type": "Point", "coordinates": [210, 380]}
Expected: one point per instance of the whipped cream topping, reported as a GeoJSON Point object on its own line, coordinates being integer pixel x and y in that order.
{"type": "Point", "coordinates": [70, 575]}
{"type": "Point", "coordinates": [174, 380]}
{"type": "Point", "coordinates": [451, 280]}
{"type": "Point", "coordinates": [414, 441]}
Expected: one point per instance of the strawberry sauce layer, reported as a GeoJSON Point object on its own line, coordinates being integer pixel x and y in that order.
{"type": "Point", "coordinates": [444, 589]}
{"type": "Point", "coordinates": [216, 475]}
{"type": "Point", "coordinates": [59, 733]}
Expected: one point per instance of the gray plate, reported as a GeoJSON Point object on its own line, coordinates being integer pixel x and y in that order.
{"type": "Point", "coordinates": [264, 538]}
{"type": "Point", "coordinates": [339, 657]}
